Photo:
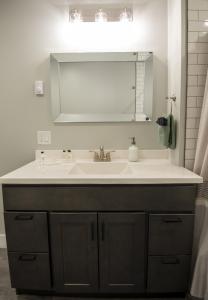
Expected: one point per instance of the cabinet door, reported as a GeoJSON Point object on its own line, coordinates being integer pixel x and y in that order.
{"type": "Point", "coordinates": [122, 239]}
{"type": "Point", "coordinates": [74, 251]}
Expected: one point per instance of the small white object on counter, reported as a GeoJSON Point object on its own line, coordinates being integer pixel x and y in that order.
{"type": "Point", "coordinates": [133, 150]}
{"type": "Point", "coordinates": [42, 158]}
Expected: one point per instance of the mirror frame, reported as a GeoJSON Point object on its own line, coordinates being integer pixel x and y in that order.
{"type": "Point", "coordinates": [57, 58]}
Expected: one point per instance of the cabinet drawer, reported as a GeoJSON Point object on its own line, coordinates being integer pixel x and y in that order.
{"type": "Point", "coordinates": [168, 274]}
{"type": "Point", "coordinates": [29, 270]}
{"type": "Point", "coordinates": [26, 231]}
{"type": "Point", "coordinates": [170, 234]}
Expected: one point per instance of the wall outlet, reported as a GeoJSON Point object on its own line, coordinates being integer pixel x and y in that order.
{"type": "Point", "coordinates": [44, 137]}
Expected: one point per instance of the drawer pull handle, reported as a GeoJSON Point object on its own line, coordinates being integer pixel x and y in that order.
{"type": "Point", "coordinates": [24, 217]}
{"type": "Point", "coordinates": [172, 220]}
{"type": "Point", "coordinates": [170, 261]}
{"type": "Point", "coordinates": [27, 257]}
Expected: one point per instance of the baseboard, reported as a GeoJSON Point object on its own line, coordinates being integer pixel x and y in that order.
{"type": "Point", "coordinates": [2, 241]}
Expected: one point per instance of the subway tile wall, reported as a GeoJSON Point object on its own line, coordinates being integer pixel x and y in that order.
{"type": "Point", "coordinates": [140, 87]}
{"type": "Point", "coordinates": [197, 70]}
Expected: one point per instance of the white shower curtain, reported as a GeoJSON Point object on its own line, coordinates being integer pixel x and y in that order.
{"type": "Point", "coordinates": [199, 286]}
{"type": "Point", "coordinates": [201, 158]}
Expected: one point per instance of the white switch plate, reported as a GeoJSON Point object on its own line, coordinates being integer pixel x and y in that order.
{"type": "Point", "coordinates": [44, 137]}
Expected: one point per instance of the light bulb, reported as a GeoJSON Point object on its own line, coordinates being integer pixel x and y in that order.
{"type": "Point", "coordinates": [101, 16]}
{"type": "Point", "coordinates": [125, 16]}
{"type": "Point", "coordinates": [75, 16]}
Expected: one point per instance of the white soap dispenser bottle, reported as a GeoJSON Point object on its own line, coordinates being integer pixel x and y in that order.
{"type": "Point", "coordinates": [133, 150]}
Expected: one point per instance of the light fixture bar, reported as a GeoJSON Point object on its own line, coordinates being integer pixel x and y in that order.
{"type": "Point", "coordinates": [101, 15]}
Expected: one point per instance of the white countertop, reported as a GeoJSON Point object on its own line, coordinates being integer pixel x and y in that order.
{"type": "Point", "coordinates": [145, 171]}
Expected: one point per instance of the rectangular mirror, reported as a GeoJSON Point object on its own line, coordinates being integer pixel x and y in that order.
{"type": "Point", "coordinates": [101, 87]}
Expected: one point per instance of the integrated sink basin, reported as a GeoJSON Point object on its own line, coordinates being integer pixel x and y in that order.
{"type": "Point", "coordinates": [101, 168]}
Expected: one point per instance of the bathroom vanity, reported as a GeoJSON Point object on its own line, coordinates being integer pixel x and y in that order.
{"type": "Point", "coordinates": [104, 228]}
{"type": "Point", "coordinates": [100, 234]}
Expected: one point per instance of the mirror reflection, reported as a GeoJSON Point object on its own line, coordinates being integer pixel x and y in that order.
{"type": "Point", "coordinates": [102, 87]}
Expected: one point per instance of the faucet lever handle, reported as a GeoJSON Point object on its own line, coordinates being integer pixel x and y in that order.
{"type": "Point", "coordinates": [96, 155]}
{"type": "Point", "coordinates": [109, 152]}
{"type": "Point", "coordinates": [108, 155]}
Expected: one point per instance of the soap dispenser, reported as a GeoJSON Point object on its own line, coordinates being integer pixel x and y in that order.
{"type": "Point", "coordinates": [133, 150]}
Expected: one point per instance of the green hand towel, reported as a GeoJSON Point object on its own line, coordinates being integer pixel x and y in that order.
{"type": "Point", "coordinates": [167, 134]}
{"type": "Point", "coordinates": [164, 135]}
{"type": "Point", "coordinates": [172, 134]}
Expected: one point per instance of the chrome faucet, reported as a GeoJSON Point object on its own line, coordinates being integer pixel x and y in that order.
{"type": "Point", "coordinates": [102, 156]}
{"type": "Point", "coordinates": [102, 153]}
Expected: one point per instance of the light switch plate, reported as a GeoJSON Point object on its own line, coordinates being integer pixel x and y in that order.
{"type": "Point", "coordinates": [38, 86]}
{"type": "Point", "coordinates": [44, 137]}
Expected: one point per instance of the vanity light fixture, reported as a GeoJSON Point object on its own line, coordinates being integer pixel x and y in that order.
{"type": "Point", "coordinates": [101, 16]}
{"type": "Point", "coordinates": [75, 16]}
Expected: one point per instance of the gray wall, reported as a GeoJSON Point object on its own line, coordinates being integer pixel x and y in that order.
{"type": "Point", "coordinates": [29, 31]}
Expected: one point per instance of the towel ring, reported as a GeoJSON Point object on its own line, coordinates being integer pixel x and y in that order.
{"type": "Point", "coordinates": [172, 99]}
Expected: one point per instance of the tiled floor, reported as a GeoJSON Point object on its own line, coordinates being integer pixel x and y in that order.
{"type": "Point", "coordinates": [7, 293]}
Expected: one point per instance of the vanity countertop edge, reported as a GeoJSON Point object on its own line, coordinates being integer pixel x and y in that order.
{"type": "Point", "coordinates": [149, 171]}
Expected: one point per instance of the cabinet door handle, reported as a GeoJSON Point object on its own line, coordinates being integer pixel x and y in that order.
{"type": "Point", "coordinates": [172, 220]}
{"type": "Point", "coordinates": [92, 231]}
{"type": "Point", "coordinates": [103, 231]}
{"type": "Point", "coordinates": [170, 261]}
{"type": "Point", "coordinates": [23, 217]}
{"type": "Point", "coordinates": [27, 257]}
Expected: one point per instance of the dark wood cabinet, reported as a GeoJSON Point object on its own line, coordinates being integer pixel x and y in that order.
{"type": "Point", "coordinates": [169, 255]}
{"type": "Point", "coordinates": [120, 240]}
{"type": "Point", "coordinates": [28, 250]}
{"type": "Point", "coordinates": [74, 251]}
{"type": "Point", "coordinates": [122, 252]}
{"type": "Point", "coordinates": [99, 239]}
